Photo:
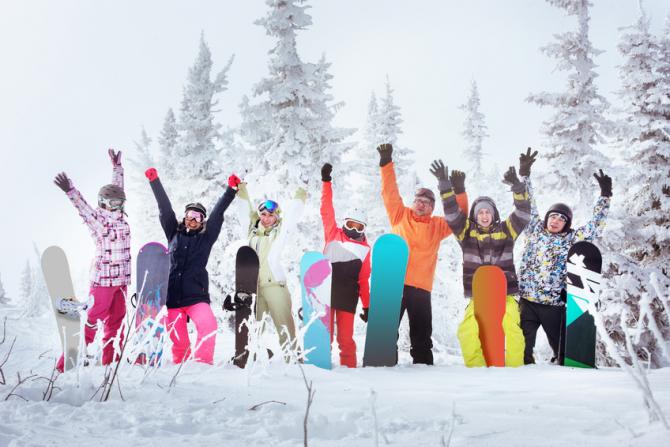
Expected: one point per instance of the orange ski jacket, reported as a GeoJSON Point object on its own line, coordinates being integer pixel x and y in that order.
{"type": "Point", "coordinates": [422, 234]}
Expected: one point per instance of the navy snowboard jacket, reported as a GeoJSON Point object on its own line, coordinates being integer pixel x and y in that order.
{"type": "Point", "coordinates": [188, 283]}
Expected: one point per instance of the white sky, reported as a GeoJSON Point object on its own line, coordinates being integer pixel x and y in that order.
{"type": "Point", "coordinates": [78, 77]}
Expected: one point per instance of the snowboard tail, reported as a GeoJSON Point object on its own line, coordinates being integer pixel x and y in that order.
{"type": "Point", "coordinates": [489, 294]}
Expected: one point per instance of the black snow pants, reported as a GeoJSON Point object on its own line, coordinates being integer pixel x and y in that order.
{"type": "Point", "coordinates": [419, 311]}
{"type": "Point", "coordinates": [552, 320]}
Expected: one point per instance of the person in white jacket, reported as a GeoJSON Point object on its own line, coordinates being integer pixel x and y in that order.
{"type": "Point", "coordinates": [269, 229]}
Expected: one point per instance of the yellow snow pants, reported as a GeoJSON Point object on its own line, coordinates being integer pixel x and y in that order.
{"type": "Point", "coordinates": [468, 336]}
{"type": "Point", "coordinates": [276, 300]}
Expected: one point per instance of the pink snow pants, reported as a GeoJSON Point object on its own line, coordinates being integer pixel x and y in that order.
{"type": "Point", "coordinates": [205, 324]}
{"type": "Point", "coordinates": [109, 306]}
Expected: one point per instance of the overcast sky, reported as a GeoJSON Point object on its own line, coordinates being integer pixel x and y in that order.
{"type": "Point", "coordinates": [78, 77]}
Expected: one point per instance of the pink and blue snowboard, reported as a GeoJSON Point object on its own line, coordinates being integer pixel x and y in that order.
{"type": "Point", "coordinates": [387, 280]}
{"type": "Point", "coordinates": [315, 283]}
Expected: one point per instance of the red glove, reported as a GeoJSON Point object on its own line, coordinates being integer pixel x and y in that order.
{"type": "Point", "coordinates": [151, 174]}
{"type": "Point", "coordinates": [233, 181]}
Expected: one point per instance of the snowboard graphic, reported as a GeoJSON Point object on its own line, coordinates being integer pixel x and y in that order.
{"type": "Point", "coordinates": [315, 283]}
{"type": "Point", "coordinates": [389, 264]}
{"type": "Point", "coordinates": [246, 285]}
{"type": "Point", "coordinates": [489, 292]}
{"type": "Point", "coordinates": [583, 285]}
{"type": "Point", "coordinates": [153, 269]}
{"type": "Point", "coordinates": [56, 272]}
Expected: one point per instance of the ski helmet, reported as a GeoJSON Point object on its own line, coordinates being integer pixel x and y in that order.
{"type": "Point", "coordinates": [563, 210]}
{"type": "Point", "coordinates": [484, 202]}
{"type": "Point", "coordinates": [111, 197]}
{"type": "Point", "coordinates": [197, 206]}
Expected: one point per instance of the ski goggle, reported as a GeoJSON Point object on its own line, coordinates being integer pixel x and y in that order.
{"type": "Point", "coordinates": [558, 216]}
{"type": "Point", "coordinates": [268, 205]}
{"type": "Point", "coordinates": [193, 215]}
{"type": "Point", "coordinates": [354, 225]}
{"type": "Point", "coordinates": [110, 204]}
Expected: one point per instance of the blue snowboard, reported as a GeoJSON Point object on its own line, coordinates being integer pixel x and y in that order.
{"type": "Point", "coordinates": [315, 283]}
{"type": "Point", "coordinates": [389, 265]}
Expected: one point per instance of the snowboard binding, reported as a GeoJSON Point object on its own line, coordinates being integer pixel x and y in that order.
{"type": "Point", "coordinates": [242, 299]}
{"type": "Point", "coordinates": [70, 307]}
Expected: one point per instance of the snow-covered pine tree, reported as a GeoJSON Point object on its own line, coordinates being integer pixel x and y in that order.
{"type": "Point", "coordinates": [143, 212]}
{"type": "Point", "coordinates": [4, 299]}
{"type": "Point", "coordinates": [578, 124]}
{"type": "Point", "coordinates": [167, 147]}
{"type": "Point", "coordinates": [638, 243]}
{"type": "Point", "coordinates": [474, 132]}
{"type": "Point", "coordinates": [26, 284]}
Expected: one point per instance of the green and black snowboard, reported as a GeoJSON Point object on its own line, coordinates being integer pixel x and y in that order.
{"type": "Point", "coordinates": [583, 285]}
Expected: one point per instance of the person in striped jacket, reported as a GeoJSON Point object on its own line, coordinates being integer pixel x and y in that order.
{"type": "Point", "coordinates": [486, 240]}
{"type": "Point", "coordinates": [110, 269]}
{"type": "Point", "coordinates": [348, 251]}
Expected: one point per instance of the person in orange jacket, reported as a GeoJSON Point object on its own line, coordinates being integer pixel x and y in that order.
{"type": "Point", "coordinates": [423, 233]}
{"type": "Point", "coordinates": [348, 250]}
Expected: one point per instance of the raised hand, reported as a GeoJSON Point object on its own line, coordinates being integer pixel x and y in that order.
{"type": "Point", "coordinates": [63, 182]}
{"type": "Point", "coordinates": [510, 177]}
{"type": "Point", "coordinates": [326, 170]}
{"type": "Point", "coordinates": [115, 157]}
{"type": "Point", "coordinates": [385, 151]}
{"type": "Point", "coordinates": [605, 182]}
{"type": "Point", "coordinates": [525, 162]}
{"type": "Point", "coordinates": [233, 181]}
{"type": "Point", "coordinates": [151, 174]}
{"type": "Point", "coordinates": [458, 181]}
{"type": "Point", "coordinates": [439, 170]}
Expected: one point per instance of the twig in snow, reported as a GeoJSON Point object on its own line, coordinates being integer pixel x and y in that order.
{"type": "Point", "coordinates": [3, 381]}
{"type": "Point", "coordinates": [257, 406]}
{"type": "Point", "coordinates": [310, 398]}
{"type": "Point", "coordinates": [19, 382]}
{"type": "Point", "coordinates": [48, 392]}
{"type": "Point", "coordinates": [4, 330]}
{"type": "Point", "coordinates": [108, 388]}
{"type": "Point", "coordinates": [447, 442]}
{"type": "Point", "coordinates": [373, 400]}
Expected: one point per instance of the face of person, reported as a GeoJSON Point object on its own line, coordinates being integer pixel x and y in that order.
{"type": "Point", "coordinates": [556, 223]}
{"type": "Point", "coordinates": [422, 206]}
{"type": "Point", "coordinates": [484, 218]}
{"type": "Point", "coordinates": [193, 220]}
{"type": "Point", "coordinates": [267, 218]}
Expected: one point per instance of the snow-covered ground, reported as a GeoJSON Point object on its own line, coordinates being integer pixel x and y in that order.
{"type": "Point", "coordinates": [446, 404]}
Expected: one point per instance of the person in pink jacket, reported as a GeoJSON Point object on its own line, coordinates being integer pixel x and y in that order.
{"type": "Point", "coordinates": [110, 269]}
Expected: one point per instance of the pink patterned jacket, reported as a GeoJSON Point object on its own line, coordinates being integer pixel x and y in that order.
{"type": "Point", "coordinates": [111, 234]}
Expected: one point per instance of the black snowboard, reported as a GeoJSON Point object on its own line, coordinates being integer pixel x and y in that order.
{"type": "Point", "coordinates": [246, 284]}
{"type": "Point", "coordinates": [583, 285]}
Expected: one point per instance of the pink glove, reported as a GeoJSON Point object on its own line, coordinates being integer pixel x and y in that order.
{"type": "Point", "coordinates": [151, 174]}
{"type": "Point", "coordinates": [115, 157]}
{"type": "Point", "coordinates": [233, 181]}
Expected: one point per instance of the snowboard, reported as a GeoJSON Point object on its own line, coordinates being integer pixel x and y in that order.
{"type": "Point", "coordinates": [153, 270]}
{"type": "Point", "coordinates": [65, 305]}
{"type": "Point", "coordinates": [583, 285]}
{"type": "Point", "coordinates": [387, 280]}
{"type": "Point", "coordinates": [315, 283]}
{"type": "Point", "coordinates": [489, 293]}
{"type": "Point", "coordinates": [242, 303]}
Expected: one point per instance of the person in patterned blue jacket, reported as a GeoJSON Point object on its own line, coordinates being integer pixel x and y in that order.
{"type": "Point", "coordinates": [543, 265]}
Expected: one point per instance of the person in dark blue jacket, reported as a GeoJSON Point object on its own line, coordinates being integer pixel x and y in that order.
{"type": "Point", "coordinates": [190, 243]}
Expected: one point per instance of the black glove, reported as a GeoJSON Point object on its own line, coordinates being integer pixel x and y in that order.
{"type": "Point", "coordinates": [326, 170]}
{"type": "Point", "coordinates": [605, 182]}
{"type": "Point", "coordinates": [63, 182]}
{"type": "Point", "coordinates": [439, 170]}
{"type": "Point", "coordinates": [510, 178]}
{"type": "Point", "coordinates": [364, 315]}
{"type": "Point", "coordinates": [385, 151]}
{"type": "Point", "coordinates": [525, 162]}
{"type": "Point", "coordinates": [458, 181]}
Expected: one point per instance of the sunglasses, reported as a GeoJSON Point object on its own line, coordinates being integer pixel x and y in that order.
{"type": "Point", "coordinates": [193, 215]}
{"type": "Point", "coordinates": [268, 205]}
{"type": "Point", "coordinates": [558, 216]}
{"type": "Point", "coordinates": [354, 225]}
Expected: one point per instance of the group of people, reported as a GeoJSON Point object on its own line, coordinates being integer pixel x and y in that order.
{"type": "Point", "coordinates": [535, 298]}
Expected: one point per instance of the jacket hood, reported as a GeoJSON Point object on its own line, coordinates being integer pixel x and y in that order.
{"type": "Point", "coordinates": [496, 214]}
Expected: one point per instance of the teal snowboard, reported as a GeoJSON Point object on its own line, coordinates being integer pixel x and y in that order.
{"type": "Point", "coordinates": [315, 283]}
{"type": "Point", "coordinates": [387, 280]}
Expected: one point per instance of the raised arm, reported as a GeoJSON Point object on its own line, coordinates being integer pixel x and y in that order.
{"type": "Point", "coordinates": [596, 224]}
{"type": "Point", "coordinates": [215, 221]}
{"type": "Point", "coordinates": [390, 194]}
{"type": "Point", "coordinates": [327, 210]}
{"type": "Point", "coordinates": [88, 214]}
{"type": "Point", "coordinates": [165, 212]}
{"type": "Point", "coordinates": [517, 221]}
{"type": "Point", "coordinates": [117, 168]}
{"type": "Point", "coordinates": [453, 214]}
{"type": "Point", "coordinates": [525, 163]}
{"type": "Point", "coordinates": [291, 216]}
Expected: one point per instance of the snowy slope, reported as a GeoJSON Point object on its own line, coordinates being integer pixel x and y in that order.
{"type": "Point", "coordinates": [415, 405]}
